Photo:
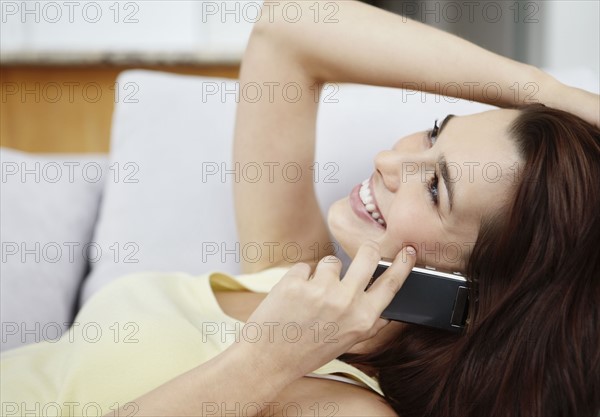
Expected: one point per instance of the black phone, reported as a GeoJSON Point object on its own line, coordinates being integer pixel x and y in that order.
{"type": "Point", "coordinates": [428, 297]}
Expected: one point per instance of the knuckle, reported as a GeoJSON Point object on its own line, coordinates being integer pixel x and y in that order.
{"type": "Point", "coordinates": [393, 284]}
{"type": "Point", "coordinates": [346, 303]}
{"type": "Point", "coordinates": [300, 270]}
{"type": "Point", "coordinates": [312, 296]}
{"type": "Point", "coordinates": [336, 303]}
{"type": "Point", "coordinates": [292, 285]}
{"type": "Point", "coordinates": [316, 294]}
{"type": "Point", "coordinates": [330, 304]}
{"type": "Point", "coordinates": [303, 266]}
{"type": "Point", "coordinates": [364, 326]}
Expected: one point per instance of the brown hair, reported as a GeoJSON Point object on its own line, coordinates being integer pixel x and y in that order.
{"type": "Point", "coordinates": [531, 346]}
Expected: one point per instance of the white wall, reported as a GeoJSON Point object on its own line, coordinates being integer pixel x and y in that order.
{"type": "Point", "coordinates": [125, 26]}
{"type": "Point", "coordinates": [567, 33]}
{"type": "Point", "coordinates": [572, 34]}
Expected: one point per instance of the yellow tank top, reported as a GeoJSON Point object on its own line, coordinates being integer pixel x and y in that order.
{"type": "Point", "coordinates": [132, 336]}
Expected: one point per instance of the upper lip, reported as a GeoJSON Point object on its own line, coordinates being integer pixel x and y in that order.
{"type": "Point", "coordinates": [372, 188]}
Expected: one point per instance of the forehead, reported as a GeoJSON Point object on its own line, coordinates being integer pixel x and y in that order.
{"type": "Point", "coordinates": [482, 160]}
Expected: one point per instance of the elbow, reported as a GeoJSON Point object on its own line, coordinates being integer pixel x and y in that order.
{"type": "Point", "coordinates": [279, 41]}
{"type": "Point", "coordinates": [273, 13]}
{"type": "Point", "coordinates": [263, 31]}
{"type": "Point", "coordinates": [274, 22]}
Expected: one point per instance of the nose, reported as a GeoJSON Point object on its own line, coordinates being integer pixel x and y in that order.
{"type": "Point", "coordinates": [387, 162]}
{"type": "Point", "coordinates": [396, 164]}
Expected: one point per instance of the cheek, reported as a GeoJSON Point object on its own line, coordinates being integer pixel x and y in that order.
{"type": "Point", "coordinates": [413, 224]}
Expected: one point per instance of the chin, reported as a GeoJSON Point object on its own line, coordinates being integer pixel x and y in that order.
{"type": "Point", "coordinates": [346, 228]}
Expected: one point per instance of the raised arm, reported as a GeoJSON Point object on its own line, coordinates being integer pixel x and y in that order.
{"type": "Point", "coordinates": [368, 46]}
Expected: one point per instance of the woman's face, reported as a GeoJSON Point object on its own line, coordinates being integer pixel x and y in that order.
{"type": "Point", "coordinates": [408, 194]}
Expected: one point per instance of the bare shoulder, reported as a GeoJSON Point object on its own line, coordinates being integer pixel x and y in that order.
{"type": "Point", "coordinates": [366, 406]}
{"type": "Point", "coordinates": [371, 405]}
{"type": "Point", "coordinates": [313, 396]}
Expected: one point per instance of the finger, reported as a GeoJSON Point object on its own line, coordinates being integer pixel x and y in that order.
{"type": "Point", "coordinates": [362, 267]}
{"type": "Point", "coordinates": [298, 271]}
{"type": "Point", "coordinates": [328, 268]}
{"type": "Point", "coordinates": [389, 283]}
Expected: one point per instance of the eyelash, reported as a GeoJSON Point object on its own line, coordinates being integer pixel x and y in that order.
{"type": "Point", "coordinates": [432, 133]}
{"type": "Point", "coordinates": [433, 182]}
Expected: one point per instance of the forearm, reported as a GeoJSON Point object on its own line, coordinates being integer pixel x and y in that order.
{"type": "Point", "coordinates": [233, 382]}
{"type": "Point", "coordinates": [370, 46]}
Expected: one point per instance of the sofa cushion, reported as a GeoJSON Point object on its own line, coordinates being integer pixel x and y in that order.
{"type": "Point", "coordinates": [49, 205]}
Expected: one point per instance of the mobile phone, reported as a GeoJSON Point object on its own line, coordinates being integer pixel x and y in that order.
{"type": "Point", "coordinates": [428, 297]}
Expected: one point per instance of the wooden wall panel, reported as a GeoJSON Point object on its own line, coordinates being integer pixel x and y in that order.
{"type": "Point", "coordinates": [67, 109]}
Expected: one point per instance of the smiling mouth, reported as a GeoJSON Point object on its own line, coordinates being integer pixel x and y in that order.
{"type": "Point", "coordinates": [368, 199]}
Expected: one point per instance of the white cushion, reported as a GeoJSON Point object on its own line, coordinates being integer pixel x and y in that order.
{"type": "Point", "coordinates": [176, 130]}
{"type": "Point", "coordinates": [49, 206]}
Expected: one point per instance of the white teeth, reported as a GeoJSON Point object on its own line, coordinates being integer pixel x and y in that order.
{"type": "Point", "coordinates": [365, 193]}
{"type": "Point", "coordinates": [367, 199]}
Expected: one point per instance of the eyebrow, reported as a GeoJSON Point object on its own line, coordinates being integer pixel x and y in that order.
{"type": "Point", "coordinates": [448, 183]}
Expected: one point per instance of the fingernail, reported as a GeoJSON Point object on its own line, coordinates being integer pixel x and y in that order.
{"type": "Point", "coordinates": [410, 250]}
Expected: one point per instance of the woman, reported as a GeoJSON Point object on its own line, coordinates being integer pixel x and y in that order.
{"type": "Point", "coordinates": [527, 244]}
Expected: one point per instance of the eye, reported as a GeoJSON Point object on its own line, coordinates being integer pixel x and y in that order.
{"type": "Point", "coordinates": [433, 133]}
{"type": "Point", "coordinates": [432, 188]}
{"type": "Point", "coordinates": [432, 184]}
